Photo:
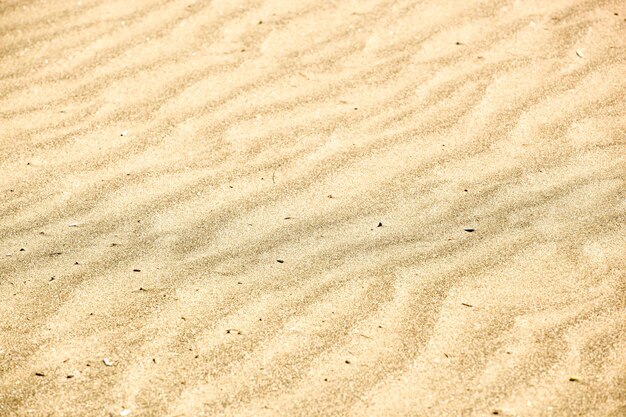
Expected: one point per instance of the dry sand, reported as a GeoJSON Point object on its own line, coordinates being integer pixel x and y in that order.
{"type": "Point", "coordinates": [202, 142]}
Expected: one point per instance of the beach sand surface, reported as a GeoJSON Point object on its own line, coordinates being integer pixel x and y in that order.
{"type": "Point", "coordinates": [312, 208]}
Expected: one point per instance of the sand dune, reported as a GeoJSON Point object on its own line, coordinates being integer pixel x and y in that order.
{"type": "Point", "coordinates": [249, 208]}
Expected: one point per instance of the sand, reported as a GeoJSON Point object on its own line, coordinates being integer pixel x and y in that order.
{"type": "Point", "coordinates": [312, 208]}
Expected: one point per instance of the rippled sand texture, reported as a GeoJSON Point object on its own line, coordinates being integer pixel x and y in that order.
{"type": "Point", "coordinates": [292, 180]}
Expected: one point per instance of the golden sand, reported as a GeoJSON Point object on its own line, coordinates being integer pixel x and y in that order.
{"type": "Point", "coordinates": [158, 159]}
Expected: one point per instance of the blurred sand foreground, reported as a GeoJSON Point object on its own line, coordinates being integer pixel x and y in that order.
{"type": "Point", "coordinates": [246, 208]}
